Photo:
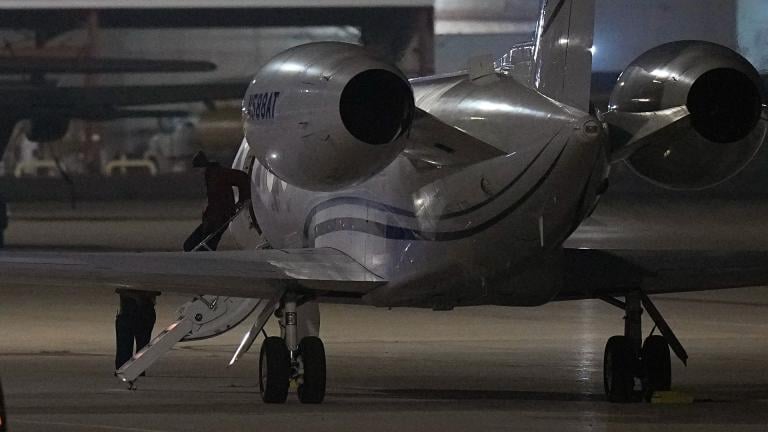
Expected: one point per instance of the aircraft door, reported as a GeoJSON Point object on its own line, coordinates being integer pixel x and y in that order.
{"type": "Point", "coordinates": [213, 315]}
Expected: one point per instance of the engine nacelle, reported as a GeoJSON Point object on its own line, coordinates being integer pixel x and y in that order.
{"type": "Point", "coordinates": [717, 129]}
{"type": "Point", "coordinates": [328, 115]}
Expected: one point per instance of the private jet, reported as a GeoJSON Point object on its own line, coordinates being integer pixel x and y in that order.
{"type": "Point", "coordinates": [452, 190]}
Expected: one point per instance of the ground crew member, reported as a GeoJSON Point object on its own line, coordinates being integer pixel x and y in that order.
{"type": "Point", "coordinates": [3, 220]}
{"type": "Point", "coordinates": [219, 182]}
{"type": "Point", "coordinates": [134, 323]}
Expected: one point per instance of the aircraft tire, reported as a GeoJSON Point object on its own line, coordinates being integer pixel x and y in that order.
{"type": "Point", "coordinates": [657, 365]}
{"type": "Point", "coordinates": [618, 377]}
{"type": "Point", "coordinates": [312, 388]}
{"type": "Point", "coordinates": [274, 370]}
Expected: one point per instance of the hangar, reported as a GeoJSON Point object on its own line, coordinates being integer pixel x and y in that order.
{"type": "Point", "coordinates": [475, 209]}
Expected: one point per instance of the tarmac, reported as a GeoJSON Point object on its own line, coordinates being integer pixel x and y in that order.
{"type": "Point", "coordinates": [484, 368]}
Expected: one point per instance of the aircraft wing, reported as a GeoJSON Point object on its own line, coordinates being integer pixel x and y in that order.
{"type": "Point", "coordinates": [591, 273]}
{"type": "Point", "coordinates": [257, 274]}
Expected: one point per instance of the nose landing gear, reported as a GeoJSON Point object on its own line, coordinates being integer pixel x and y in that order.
{"type": "Point", "coordinates": [283, 361]}
{"type": "Point", "coordinates": [634, 369]}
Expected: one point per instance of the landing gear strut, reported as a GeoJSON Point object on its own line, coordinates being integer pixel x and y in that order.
{"type": "Point", "coordinates": [634, 369]}
{"type": "Point", "coordinates": [286, 359]}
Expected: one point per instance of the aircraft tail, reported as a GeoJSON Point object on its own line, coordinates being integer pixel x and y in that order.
{"type": "Point", "coordinates": [562, 62]}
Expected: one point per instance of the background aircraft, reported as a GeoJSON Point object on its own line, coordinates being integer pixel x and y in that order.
{"type": "Point", "coordinates": [459, 190]}
{"type": "Point", "coordinates": [50, 108]}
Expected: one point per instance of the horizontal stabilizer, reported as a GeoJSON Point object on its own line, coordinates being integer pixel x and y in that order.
{"type": "Point", "coordinates": [437, 143]}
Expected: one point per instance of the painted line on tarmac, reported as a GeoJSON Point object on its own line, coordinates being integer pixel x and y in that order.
{"type": "Point", "coordinates": [84, 425]}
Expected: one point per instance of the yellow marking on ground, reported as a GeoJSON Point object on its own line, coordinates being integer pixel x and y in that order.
{"type": "Point", "coordinates": [671, 397]}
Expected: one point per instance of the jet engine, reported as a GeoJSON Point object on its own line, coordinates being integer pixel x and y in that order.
{"type": "Point", "coordinates": [324, 116]}
{"type": "Point", "coordinates": [687, 115]}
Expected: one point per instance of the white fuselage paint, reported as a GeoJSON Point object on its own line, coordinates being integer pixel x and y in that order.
{"type": "Point", "coordinates": [452, 236]}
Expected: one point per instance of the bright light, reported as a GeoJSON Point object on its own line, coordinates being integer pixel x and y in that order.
{"type": "Point", "coordinates": [292, 67]}
{"type": "Point", "coordinates": [662, 74]}
{"type": "Point", "coordinates": [482, 106]}
{"type": "Point", "coordinates": [593, 50]}
{"type": "Point", "coordinates": [273, 155]}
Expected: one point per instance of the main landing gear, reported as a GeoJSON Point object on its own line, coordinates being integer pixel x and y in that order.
{"type": "Point", "coordinates": [287, 359]}
{"type": "Point", "coordinates": [634, 369]}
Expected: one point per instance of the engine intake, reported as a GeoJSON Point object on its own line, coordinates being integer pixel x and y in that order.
{"type": "Point", "coordinates": [372, 105]}
{"type": "Point", "coordinates": [325, 116]}
{"type": "Point", "coordinates": [722, 131]}
{"type": "Point", "coordinates": [725, 105]}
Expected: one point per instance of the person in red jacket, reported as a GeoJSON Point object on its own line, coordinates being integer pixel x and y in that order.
{"type": "Point", "coordinates": [219, 182]}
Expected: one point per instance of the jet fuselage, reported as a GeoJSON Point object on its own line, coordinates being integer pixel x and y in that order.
{"type": "Point", "coordinates": [489, 229]}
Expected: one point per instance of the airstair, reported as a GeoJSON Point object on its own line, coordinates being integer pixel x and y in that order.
{"type": "Point", "coordinates": [203, 317]}
{"type": "Point", "coordinates": [203, 245]}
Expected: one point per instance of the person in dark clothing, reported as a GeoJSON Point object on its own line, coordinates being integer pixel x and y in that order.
{"type": "Point", "coordinates": [3, 418]}
{"type": "Point", "coordinates": [219, 182]}
{"type": "Point", "coordinates": [134, 323]}
{"type": "Point", "coordinates": [3, 220]}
